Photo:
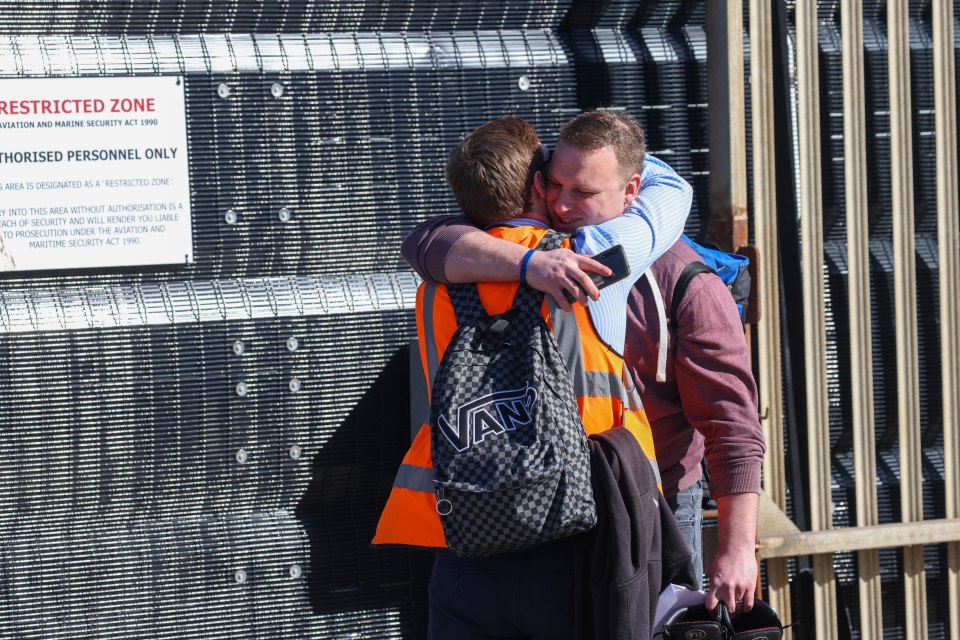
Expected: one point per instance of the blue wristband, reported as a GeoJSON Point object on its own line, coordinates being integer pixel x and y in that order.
{"type": "Point", "coordinates": [523, 265]}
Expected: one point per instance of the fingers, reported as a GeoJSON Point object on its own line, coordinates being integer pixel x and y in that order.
{"type": "Point", "coordinates": [561, 270]}
{"type": "Point", "coordinates": [580, 287]}
{"type": "Point", "coordinates": [587, 267]}
{"type": "Point", "coordinates": [560, 296]}
{"type": "Point", "coordinates": [735, 600]}
{"type": "Point", "coordinates": [711, 600]}
{"type": "Point", "coordinates": [589, 264]}
{"type": "Point", "coordinates": [733, 579]}
{"type": "Point", "coordinates": [569, 292]}
{"type": "Point", "coordinates": [582, 275]}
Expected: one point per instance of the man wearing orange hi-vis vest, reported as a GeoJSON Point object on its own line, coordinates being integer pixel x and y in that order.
{"type": "Point", "coordinates": [495, 174]}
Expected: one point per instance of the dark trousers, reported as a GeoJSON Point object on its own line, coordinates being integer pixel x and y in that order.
{"type": "Point", "coordinates": [527, 595]}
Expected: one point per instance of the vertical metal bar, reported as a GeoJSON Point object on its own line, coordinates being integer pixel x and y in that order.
{"type": "Point", "coordinates": [861, 357]}
{"type": "Point", "coordinates": [728, 146]}
{"type": "Point", "coordinates": [949, 251]}
{"type": "Point", "coordinates": [905, 296]}
{"type": "Point", "coordinates": [811, 231]}
{"type": "Point", "coordinates": [778, 587]}
{"type": "Point", "coordinates": [765, 232]}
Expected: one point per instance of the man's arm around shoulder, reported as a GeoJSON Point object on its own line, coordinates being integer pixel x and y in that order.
{"type": "Point", "coordinates": [449, 249]}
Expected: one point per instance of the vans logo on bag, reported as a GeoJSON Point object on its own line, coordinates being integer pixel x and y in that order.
{"type": "Point", "coordinates": [491, 414]}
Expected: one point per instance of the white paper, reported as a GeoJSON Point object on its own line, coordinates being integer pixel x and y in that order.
{"type": "Point", "coordinates": [672, 598]}
{"type": "Point", "coordinates": [93, 173]}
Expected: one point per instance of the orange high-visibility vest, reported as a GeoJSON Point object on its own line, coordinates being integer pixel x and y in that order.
{"type": "Point", "coordinates": [605, 393]}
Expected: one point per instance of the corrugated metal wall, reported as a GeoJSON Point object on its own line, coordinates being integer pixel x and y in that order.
{"type": "Point", "coordinates": [202, 450]}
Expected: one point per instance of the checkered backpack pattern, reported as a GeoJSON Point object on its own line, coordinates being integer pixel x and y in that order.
{"type": "Point", "coordinates": [510, 461]}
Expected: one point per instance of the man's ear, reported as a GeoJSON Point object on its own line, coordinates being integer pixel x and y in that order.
{"type": "Point", "coordinates": [631, 189]}
{"type": "Point", "coordinates": [539, 185]}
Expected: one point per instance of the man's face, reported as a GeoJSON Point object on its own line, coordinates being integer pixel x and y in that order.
{"type": "Point", "coordinates": [584, 188]}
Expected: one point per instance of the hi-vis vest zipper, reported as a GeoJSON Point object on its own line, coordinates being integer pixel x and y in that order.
{"type": "Point", "coordinates": [605, 394]}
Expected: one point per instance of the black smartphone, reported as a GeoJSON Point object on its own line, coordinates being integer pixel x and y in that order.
{"type": "Point", "coordinates": [616, 260]}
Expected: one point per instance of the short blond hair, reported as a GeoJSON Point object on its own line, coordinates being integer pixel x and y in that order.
{"type": "Point", "coordinates": [595, 130]}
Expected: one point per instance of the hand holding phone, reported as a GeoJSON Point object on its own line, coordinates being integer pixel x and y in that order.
{"type": "Point", "coordinates": [614, 259]}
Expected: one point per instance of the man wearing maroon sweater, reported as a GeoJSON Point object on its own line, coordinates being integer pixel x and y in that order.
{"type": "Point", "coordinates": [708, 402]}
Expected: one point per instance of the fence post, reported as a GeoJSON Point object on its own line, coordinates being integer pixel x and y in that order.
{"type": "Point", "coordinates": [945, 102]}
{"type": "Point", "coordinates": [728, 146]}
{"type": "Point", "coordinates": [811, 227]}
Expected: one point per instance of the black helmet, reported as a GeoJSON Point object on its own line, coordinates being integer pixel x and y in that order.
{"type": "Point", "coordinates": [699, 623]}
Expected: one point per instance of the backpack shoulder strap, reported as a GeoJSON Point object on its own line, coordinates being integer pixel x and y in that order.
{"type": "Point", "coordinates": [662, 323]}
{"type": "Point", "coordinates": [527, 297]}
{"type": "Point", "coordinates": [690, 271]}
{"type": "Point", "coordinates": [465, 299]}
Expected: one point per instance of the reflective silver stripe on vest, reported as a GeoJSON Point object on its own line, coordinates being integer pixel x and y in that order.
{"type": "Point", "coordinates": [604, 384]}
{"type": "Point", "coordinates": [567, 333]}
{"type": "Point", "coordinates": [588, 383]}
{"type": "Point", "coordinates": [429, 297]}
{"type": "Point", "coordinates": [414, 478]}
{"type": "Point", "coordinates": [632, 396]}
{"type": "Point", "coordinates": [656, 469]}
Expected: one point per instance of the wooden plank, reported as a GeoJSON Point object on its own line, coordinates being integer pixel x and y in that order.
{"type": "Point", "coordinates": [815, 349]}
{"type": "Point", "coordinates": [727, 128]}
{"type": "Point", "coordinates": [861, 354]}
{"type": "Point", "coordinates": [764, 217]}
{"type": "Point", "coordinates": [948, 233]}
{"type": "Point", "coordinates": [880, 536]}
{"type": "Point", "coordinates": [765, 231]}
{"type": "Point", "coordinates": [905, 296]}
{"type": "Point", "coordinates": [824, 597]}
{"type": "Point", "coordinates": [778, 587]}
{"type": "Point", "coordinates": [871, 596]}
{"type": "Point", "coordinates": [771, 520]}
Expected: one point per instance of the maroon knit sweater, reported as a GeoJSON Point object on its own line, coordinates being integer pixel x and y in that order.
{"type": "Point", "coordinates": [708, 403]}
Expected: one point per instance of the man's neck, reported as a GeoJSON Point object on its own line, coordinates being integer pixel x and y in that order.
{"type": "Point", "coordinates": [540, 218]}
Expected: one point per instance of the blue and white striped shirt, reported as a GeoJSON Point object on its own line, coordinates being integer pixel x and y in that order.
{"type": "Point", "coordinates": [647, 228]}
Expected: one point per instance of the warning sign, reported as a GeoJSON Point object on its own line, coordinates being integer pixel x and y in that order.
{"type": "Point", "coordinates": [93, 173]}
